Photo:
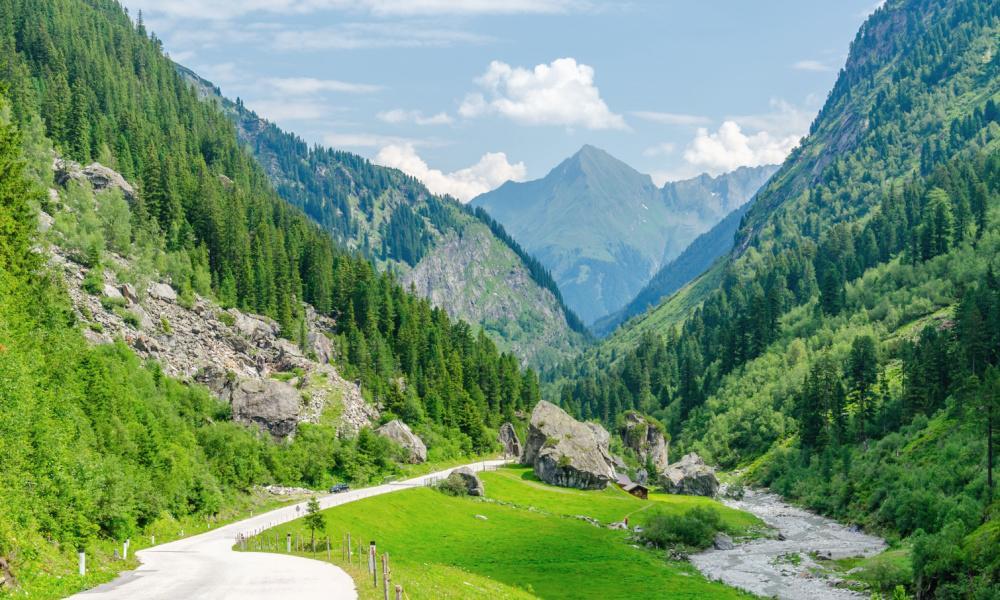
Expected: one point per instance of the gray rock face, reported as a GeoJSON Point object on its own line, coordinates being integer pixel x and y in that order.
{"type": "Point", "coordinates": [465, 476]}
{"type": "Point", "coordinates": [509, 440]}
{"type": "Point", "coordinates": [690, 476]}
{"type": "Point", "coordinates": [99, 176]}
{"type": "Point", "coordinates": [400, 433]}
{"type": "Point", "coordinates": [645, 438]}
{"type": "Point", "coordinates": [566, 452]}
{"type": "Point", "coordinates": [274, 405]}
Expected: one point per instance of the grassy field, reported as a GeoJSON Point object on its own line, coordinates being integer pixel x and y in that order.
{"type": "Point", "coordinates": [523, 541]}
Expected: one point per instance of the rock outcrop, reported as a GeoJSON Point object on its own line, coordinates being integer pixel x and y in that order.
{"type": "Point", "coordinates": [644, 436]}
{"type": "Point", "coordinates": [100, 177]}
{"type": "Point", "coordinates": [465, 477]}
{"type": "Point", "coordinates": [510, 442]}
{"type": "Point", "coordinates": [566, 452]}
{"type": "Point", "coordinates": [242, 358]}
{"type": "Point", "coordinates": [690, 476]}
{"type": "Point", "coordinates": [400, 433]}
{"type": "Point", "coordinates": [274, 405]}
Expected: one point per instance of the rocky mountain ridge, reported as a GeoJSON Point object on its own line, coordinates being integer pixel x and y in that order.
{"type": "Point", "coordinates": [603, 228]}
{"type": "Point", "coordinates": [267, 380]}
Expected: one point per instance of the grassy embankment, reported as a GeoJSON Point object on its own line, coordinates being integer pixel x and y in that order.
{"type": "Point", "coordinates": [530, 543]}
{"type": "Point", "coordinates": [53, 572]}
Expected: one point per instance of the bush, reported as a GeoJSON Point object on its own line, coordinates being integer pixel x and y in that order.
{"type": "Point", "coordinates": [452, 486]}
{"type": "Point", "coordinates": [695, 529]}
{"type": "Point", "coordinates": [93, 281]}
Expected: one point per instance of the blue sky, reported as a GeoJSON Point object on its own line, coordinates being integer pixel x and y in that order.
{"type": "Point", "coordinates": [465, 94]}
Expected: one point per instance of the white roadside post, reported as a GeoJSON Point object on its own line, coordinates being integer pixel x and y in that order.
{"type": "Point", "coordinates": [83, 563]}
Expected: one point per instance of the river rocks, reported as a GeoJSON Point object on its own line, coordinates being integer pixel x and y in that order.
{"type": "Point", "coordinates": [723, 542]}
{"type": "Point", "coordinates": [509, 440]}
{"type": "Point", "coordinates": [271, 404]}
{"type": "Point", "coordinates": [690, 476]}
{"type": "Point", "coordinates": [566, 452]}
{"type": "Point", "coordinates": [464, 477]}
{"type": "Point", "coordinates": [644, 435]}
{"type": "Point", "coordinates": [162, 291]}
{"type": "Point", "coordinates": [400, 433]}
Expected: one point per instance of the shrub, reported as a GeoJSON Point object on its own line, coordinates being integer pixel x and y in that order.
{"type": "Point", "coordinates": [695, 528]}
{"type": "Point", "coordinates": [227, 318]}
{"type": "Point", "coordinates": [93, 281]}
{"type": "Point", "coordinates": [452, 486]}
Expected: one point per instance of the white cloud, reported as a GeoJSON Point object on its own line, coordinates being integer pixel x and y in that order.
{"type": "Point", "coordinates": [814, 66]}
{"type": "Point", "coordinates": [730, 148]}
{"type": "Point", "coordinates": [492, 170]}
{"type": "Point", "coordinates": [666, 118]}
{"type": "Point", "coordinates": [228, 9]}
{"type": "Point", "coordinates": [398, 115]}
{"type": "Point", "coordinates": [352, 36]}
{"type": "Point", "coordinates": [559, 93]}
{"type": "Point", "coordinates": [470, 7]}
{"type": "Point", "coordinates": [784, 119]}
{"type": "Point", "coordinates": [300, 86]}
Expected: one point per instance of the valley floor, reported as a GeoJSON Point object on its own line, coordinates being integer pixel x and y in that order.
{"type": "Point", "coordinates": [205, 566]}
{"type": "Point", "coordinates": [524, 540]}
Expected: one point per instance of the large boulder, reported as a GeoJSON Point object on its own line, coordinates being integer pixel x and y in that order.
{"type": "Point", "coordinates": [465, 477]}
{"type": "Point", "coordinates": [271, 404]}
{"type": "Point", "coordinates": [566, 452]}
{"type": "Point", "coordinates": [690, 476]}
{"type": "Point", "coordinates": [99, 176]}
{"type": "Point", "coordinates": [644, 435]}
{"type": "Point", "coordinates": [162, 291]}
{"type": "Point", "coordinates": [400, 433]}
{"type": "Point", "coordinates": [509, 440]}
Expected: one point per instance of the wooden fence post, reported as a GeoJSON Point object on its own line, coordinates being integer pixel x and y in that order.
{"type": "Point", "coordinates": [399, 592]}
{"type": "Point", "coordinates": [373, 562]}
{"type": "Point", "coordinates": [385, 576]}
{"type": "Point", "coordinates": [327, 548]}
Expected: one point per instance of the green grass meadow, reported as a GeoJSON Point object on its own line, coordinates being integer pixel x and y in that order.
{"type": "Point", "coordinates": [530, 543]}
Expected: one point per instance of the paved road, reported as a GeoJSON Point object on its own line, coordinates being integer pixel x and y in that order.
{"type": "Point", "coordinates": [205, 565]}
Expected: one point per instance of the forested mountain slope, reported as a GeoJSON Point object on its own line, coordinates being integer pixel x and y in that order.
{"type": "Point", "coordinates": [98, 446]}
{"type": "Point", "coordinates": [603, 228]}
{"type": "Point", "coordinates": [848, 351]}
{"type": "Point", "coordinates": [692, 262]}
{"type": "Point", "coordinates": [460, 259]}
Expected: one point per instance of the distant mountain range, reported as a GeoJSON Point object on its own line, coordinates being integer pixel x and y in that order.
{"type": "Point", "coordinates": [603, 229]}
{"type": "Point", "coordinates": [692, 262]}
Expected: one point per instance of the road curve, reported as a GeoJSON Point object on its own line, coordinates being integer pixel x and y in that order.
{"type": "Point", "coordinates": [205, 565]}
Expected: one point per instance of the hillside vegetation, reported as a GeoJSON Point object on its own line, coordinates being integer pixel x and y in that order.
{"type": "Point", "coordinates": [857, 319]}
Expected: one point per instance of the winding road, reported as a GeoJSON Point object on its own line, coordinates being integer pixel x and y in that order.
{"type": "Point", "coordinates": [206, 566]}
